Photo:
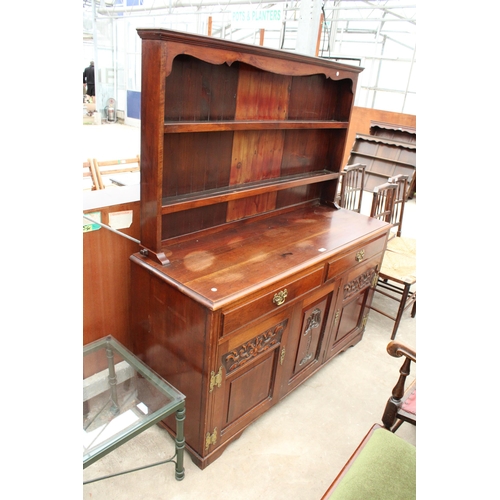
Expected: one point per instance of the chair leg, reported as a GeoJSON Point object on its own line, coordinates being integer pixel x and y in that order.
{"type": "Point", "coordinates": [401, 309]}
{"type": "Point", "coordinates": [397, 425]}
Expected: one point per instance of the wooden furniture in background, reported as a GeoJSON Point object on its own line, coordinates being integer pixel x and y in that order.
{"type": "Point", "coordinates": [250, 277]}
{"type": "Point", "coordinates": [402, 405]}
{"type": "Point", "coordinates": [364, 119]}
{"type": "Point", "coordinates": [109, 171]}
{"type": "Point", "coordinates": [399, 203]}
{"type": "Point", "coordinates": [394, 131]}
{"type": "Point", "coordinates": [384, 158]}
{"type": "Point", "coordinates": [89, 170]}
{"type": "Point", "coordinates": [106, 277]}
{"type": "Point", "coordinates": [388, 202]}
{"type": "Point", "coordinates": [397, 280]}
{"type": "Point", "coordinates": [383, 201]}
{"type": "Point", "coordinates": [352, 186]}
{"type": "Point", "coordinates": [397, 277]}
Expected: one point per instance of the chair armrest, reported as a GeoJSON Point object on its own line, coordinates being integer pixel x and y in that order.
{"type": "Point", "coordinates": [392, 414]}
{"type": "Point", "coordinates": [397, 349]}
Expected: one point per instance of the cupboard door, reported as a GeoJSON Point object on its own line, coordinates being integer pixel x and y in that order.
{"type": "Point", "coordinates": [312, 328]}
{"type": "Point", "coordinates": [351, 308]}
{"type": "Point", "coordinates": [306, 340]}
{"type": "Point", "coordinates": [250, 364]}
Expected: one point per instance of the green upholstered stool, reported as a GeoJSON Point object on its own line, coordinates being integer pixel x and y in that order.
{"type": "Point", "coordinates": [383, 467]}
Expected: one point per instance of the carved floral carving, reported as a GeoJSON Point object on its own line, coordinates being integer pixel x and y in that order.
{"type": "Point", "coordinates": [357, 284]}
{"type": "Point", "coordinates": [249, 350]}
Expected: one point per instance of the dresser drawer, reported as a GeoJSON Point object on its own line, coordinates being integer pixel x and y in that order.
{"type": "Point", "coordinates": [279, 296]}
{"type": "Point", "coordinates": [361, 254]}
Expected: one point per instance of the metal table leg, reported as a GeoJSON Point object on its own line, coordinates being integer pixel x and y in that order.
{"type": "Point", "coordinates": [180, 443]}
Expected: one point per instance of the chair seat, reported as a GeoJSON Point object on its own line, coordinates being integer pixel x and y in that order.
{"type": "Point", "coordinates": [403, 245]}
{"type": "Point", "coordinates": [384, 469]}
{"type": "Point", "coordinates": [399, 267]}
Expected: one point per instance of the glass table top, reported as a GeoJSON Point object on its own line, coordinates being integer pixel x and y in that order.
{"type": "Point", "coordinates": [121, 397]}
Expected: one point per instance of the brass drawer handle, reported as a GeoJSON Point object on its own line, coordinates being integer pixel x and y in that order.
{"type": "Point", "coordinates": [360, 256]}
{"type": "Point", "coordinates": [280, 297]}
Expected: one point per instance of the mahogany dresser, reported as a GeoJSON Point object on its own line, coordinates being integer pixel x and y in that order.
{"type": "Point", "coordinates": [250, 277]}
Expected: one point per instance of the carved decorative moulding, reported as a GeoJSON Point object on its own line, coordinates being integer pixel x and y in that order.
{"type": "Point", "coordinates": [249, 350]}
{"type": "Point", "coordinates": [357, 284]}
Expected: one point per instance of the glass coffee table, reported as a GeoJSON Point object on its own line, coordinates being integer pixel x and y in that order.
{"type": "Point", "coordinates": [122, 397]}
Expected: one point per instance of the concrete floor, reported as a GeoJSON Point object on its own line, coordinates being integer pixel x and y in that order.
{"type": "Point", "coordinates": [296, 449]}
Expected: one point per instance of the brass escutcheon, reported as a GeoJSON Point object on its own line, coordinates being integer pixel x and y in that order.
{"type": "Point", "coordinates": [280, 297]}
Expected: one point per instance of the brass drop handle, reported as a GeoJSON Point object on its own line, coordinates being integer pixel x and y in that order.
{"type": "Point", "coordinates": [360, 256]}
{"type": "Point", "coordinates": [280, 297]}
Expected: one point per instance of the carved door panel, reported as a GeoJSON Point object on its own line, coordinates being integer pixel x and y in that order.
{"type": "Point", "coordinates": [350, 313]}
{"type": "Point", "coordinates": [250, 364]}
{"type": "Point", "coordinates": [306, 340]}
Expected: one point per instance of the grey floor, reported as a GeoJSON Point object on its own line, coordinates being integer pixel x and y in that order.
{"type": "Point", "coordinates": [295, 450]}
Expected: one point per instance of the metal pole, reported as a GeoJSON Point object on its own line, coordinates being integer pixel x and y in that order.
{"type": "Point", "coordinates": [96, 63]}
{"type": "Point", "coordinates": [409, 77]}
{"type": "Point", "coordinates": [115, 64]}
{"type": "Point", "coordinates": [115, 408]}
{"type": "Point", "coordinates": [307, 31]}
{"type": "Point", "coordinates": [180, 443]}
{"type": "Point", "coordinates": [111, 229]}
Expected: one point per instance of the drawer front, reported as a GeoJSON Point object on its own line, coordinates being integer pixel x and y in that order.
{"type": "Point", "coordinates": [356, 257]}
{"type": "Point", "coordinates": [280, 295]}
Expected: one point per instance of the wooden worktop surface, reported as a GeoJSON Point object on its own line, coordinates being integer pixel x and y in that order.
{"type": "Point", "coordinates": [220, 267]}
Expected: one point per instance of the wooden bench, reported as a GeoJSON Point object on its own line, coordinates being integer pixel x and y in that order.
{"type": "Point", "coordinates": [112, 169]}
{"type": "Point", "coordinates": [89, 170]}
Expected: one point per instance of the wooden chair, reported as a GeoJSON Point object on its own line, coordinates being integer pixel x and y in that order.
{"type": "Point", "coordinates": [384, 198]}
{"type": "Point", "coordinates": [402, 405]}
{"type": "Point", "coordinates": [351, 188]}
{"type": "Point", "coordinates": [396, 278]}
{"type": "Point", "coordinates": [398, 273]}
{"type": "Point", "coordinates": [399, 203]}
{"type": "Point", "coordinates": [383, 466]}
